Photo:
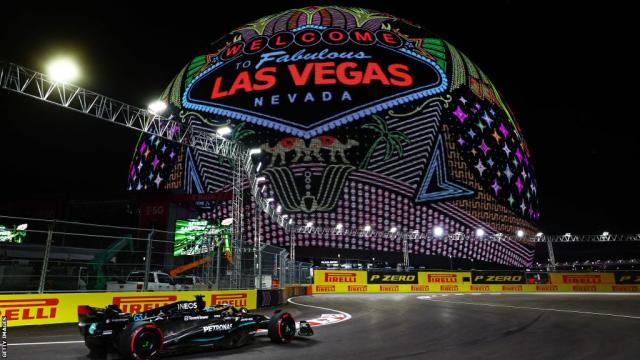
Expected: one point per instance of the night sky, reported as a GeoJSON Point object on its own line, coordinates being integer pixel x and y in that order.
{"type": "Point", "coordinates": [567, 73]}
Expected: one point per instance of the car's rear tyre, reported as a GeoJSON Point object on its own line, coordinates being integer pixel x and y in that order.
{"type": "Point", "coordinates": [282, 327]}
{"type": "Point", "coordinates": [140, 341]}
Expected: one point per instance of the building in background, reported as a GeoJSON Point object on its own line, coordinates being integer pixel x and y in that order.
{"type": "Point", "coordinates": [364, 119]}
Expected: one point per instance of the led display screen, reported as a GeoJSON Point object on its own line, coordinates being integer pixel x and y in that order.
{"type": "Point", "coordinates": [364, 119]}
{"type": "Point", "coordinates": [13, 234]}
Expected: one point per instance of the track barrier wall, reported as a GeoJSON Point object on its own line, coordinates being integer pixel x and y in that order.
{"type": "Point", "coordinates": [357, 281]}
{"type": "Point", "coordinates": [55, 308]}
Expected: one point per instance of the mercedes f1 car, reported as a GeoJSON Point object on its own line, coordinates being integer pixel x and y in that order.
{"type": "Point", "coordinates": [181, 326]}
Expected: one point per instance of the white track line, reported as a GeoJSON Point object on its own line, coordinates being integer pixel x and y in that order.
{"type": "Point", "coordinates": [347, 316]}
{"type": "Point", "coordinates": [49, 343]}
{"type": "Point", "coordinates": [537, 308]}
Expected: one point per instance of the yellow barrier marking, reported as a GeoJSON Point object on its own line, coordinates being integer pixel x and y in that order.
{"type": "Point", "coordinates": [537, 308]}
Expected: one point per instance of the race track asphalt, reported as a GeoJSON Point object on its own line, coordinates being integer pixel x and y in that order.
{"type": "Point", "coordinates": [419, 326]}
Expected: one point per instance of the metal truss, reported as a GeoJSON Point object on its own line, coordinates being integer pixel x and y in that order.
{"type": "Point", "coordinates": [31, 83]}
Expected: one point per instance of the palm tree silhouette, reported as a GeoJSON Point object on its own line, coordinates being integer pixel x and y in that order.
{"type": "Point", "coordinates": [393, 140]}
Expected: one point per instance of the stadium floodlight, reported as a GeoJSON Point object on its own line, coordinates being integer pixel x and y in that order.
{"type": "Point", "coordinates": [539, 234]}
{"type": "Point", "coordinates": [268, 200]}
{"type": "Point", "coordinates": [438, 231]}
{"type": "Point", "coordinates": [255, 151]}
{"type": "Point", "coordinates": [63, 69]}
{"type": "Point", "coordinates": [339, 227]}
{"type": "Point", "coordinates": [606, 233]}
{"type": "Point", "coordinates": [226, 222]}
{"type": "Point", "coordinates": [260, 178]}
{"type": "Point", "coordinates": [393, 230]}
{"type": "Point", "coordinates": [520, 233]}
{"type": "Point", "coordinates": [278, 209]}
{"type": "Point", "coordinates": [567, 234]}
{"type": "Point", "coordinates": [367, 228]}
{"type": "Point", "coordinates": [285, 216]}
{"type": "Point", "coordinates": [479, 233]}
{"type": "Point", "coordinates": [225, 130]}
{"type": "Point", "coordinates": [258, 167]}
{"type": "Point", "coordinates": [157, 107]}
{"type": "Point", "coordinates": [309, 224]}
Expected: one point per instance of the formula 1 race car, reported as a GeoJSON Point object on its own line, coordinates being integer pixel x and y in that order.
{"type": "Point", "coordinates": [181, 326]}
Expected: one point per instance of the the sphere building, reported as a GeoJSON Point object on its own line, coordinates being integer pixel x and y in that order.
{"type": "Point", "coordinates": [363, 119]}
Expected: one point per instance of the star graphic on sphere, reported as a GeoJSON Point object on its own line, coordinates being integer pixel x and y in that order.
{"type": "Point", "coordinates": [508, 173]}
{"type": "Point", "coordinates": [533, 188]}
{"type": "Point", "coordinates": [490, 162]}
{"type": "Point", "coordinates": [523, 207]}
{"type": "Point", "coordinates": [139, 165]}
{"type": "Point", "coordinates": [139, 186]}
{"type": "Point", "coordinates": [158, 180]}
{"type": "Point", "coordinates": [147, 153]}
{"type": "Point", "coordinates": [506, 149]}
{"type": "Point", "coordinates": [524, 174]}
{"type": "Point", "coordinates": [496, 136]}
{"type": "Point", "coordinates": [515, 162]}
{"type": "Point", "coordinates": [143, 147]}
{"type": "Point", "coordinates": [155, 162]}
{"type": "Point", "coordinates": [496, 187]}
{"type": "Point", "coordinates": [519, 155]}
{"type": "Point", "coordinates": [484, 147]}
{"type": "Point", "coordinates": [461, 115]}
{"type": "Point", "coordinates": [474, 152]}
{"type": "Point", "coordinates": [487, 119]}
{"type": "Point", "coordinates": [503, 130]}
{"type": "Point", "coordinates": [471, 133]}
{"type": "Point", "coordinates": [164, 148]}
{"type": "Point", "coordinates": [511, 200]}
{"type": "Point", "coordinates": [463, 100]}
{"type": "Point", "coordinates": [150, 176]}
{"type": "Point", "coordinates": [172, 155]}
{"type": "Point", "coordinates": [460, 140]}
{"type": "Point", "coordinates": [519, 185]}
{"type": "Point", "coordinates": [480, 125]}
{"type": "Point", "coordinates": [492, 112]}
{"type": "Point", "coordinates": [481, 168]}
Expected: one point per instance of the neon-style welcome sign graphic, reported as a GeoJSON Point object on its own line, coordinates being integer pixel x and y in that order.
{"type": "Point", "coordinates": [313, 79]}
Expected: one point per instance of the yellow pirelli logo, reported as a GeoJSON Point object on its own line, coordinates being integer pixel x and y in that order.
{"type": "Point", "coordinates": [348, 277]}
{"type": "Point", "coordinates": [235, 299]}
{"type": "Point", "coordinates": [582, 279]}
{"type": "Point", "coordinates": [419, 287]}
{"type": "Point", "coordinates": [325, 288]}
{"type": "Point", "coordinates": [449, 288]}
{"type": "Point", "coordinates": [511, 287]}
{"type": "Point", "coordinates": [29, 309]}
{"type": "Point", "coordinates": [585, 288]}
{"type": "Point", "coordinates": [480, 288]}
{"type": "Point", "coordinates": [442, 278]}
{"type": "Point", "coordinates": [357, 288]}
{"type": "Point", "coordinates": [625, 288]}
{"type": "Point", "coordinates": [546, 287]}
{"type": "Point", "coordinates": [389, 288]}
{"type": "Point", "coordinates": [136, 304]}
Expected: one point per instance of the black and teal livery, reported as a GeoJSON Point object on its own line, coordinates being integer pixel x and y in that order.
{"type": "Point", "coordinates": [181, 326]}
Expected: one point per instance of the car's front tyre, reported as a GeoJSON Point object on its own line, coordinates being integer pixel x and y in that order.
{"type": "Point", "coordinates": [282, 327]}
